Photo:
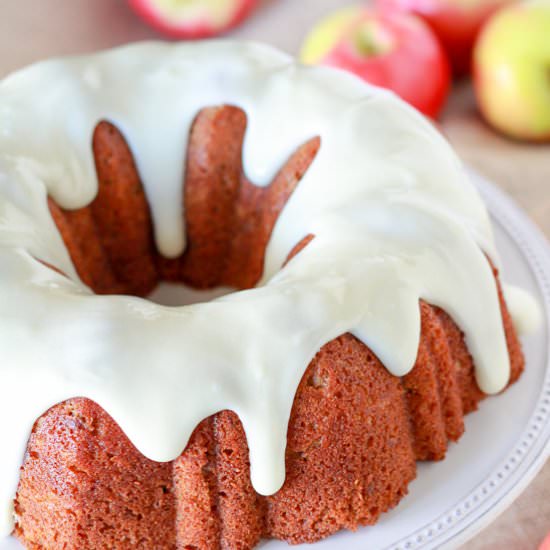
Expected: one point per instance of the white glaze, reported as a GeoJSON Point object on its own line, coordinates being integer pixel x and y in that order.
{"type": "Point", "coordinates": [394, 215]}
{"type": "Point", "coordinates": [523, 308]}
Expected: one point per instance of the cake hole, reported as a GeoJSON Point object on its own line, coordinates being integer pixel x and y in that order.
{"type": "Point", "coordinates": [174, 295]}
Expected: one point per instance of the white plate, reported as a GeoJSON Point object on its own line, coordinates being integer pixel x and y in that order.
{"type": "Point", "coordinates": [506, 442]}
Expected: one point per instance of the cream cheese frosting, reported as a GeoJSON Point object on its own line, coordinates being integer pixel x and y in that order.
{"type": "Point", "coordinates": [394, 216]}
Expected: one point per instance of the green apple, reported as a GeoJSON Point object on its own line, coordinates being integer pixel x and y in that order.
{"type": "Point", "coordinates": [512, 70]}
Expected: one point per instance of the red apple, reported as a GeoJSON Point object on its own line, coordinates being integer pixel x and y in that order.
{"type": "Point", "coordinates": [456, 23]}
{"type": "Point", "coordinates": [192, 18]}
{"type": "Point", "coordinates": [393, 50]}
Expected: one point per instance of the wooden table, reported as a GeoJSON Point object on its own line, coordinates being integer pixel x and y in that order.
{"type": "Point", "coordinates": [35, 29]}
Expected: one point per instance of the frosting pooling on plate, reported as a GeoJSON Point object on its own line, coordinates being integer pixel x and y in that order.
{"type": "Point", "coordinates": [395, 220]}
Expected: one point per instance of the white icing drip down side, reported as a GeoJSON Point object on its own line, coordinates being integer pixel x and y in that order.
{"type": "Point", "coordinates": [394, 216]}
{"type": "Point", "coordinates": [523, 308]}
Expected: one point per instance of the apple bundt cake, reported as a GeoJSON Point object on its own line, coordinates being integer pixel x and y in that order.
{"type": "Point", "coordinates": [367, 317]}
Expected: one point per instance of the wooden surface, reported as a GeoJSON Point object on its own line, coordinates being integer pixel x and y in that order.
{"type": "Point", "coordinates": [36, 29]}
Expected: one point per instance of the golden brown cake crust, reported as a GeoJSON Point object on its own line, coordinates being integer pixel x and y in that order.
{"type": "Point", "coordinates": [355, 431]}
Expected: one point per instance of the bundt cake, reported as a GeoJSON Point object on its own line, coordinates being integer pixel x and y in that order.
{"type": "Point", "coordinates": [368, 318]}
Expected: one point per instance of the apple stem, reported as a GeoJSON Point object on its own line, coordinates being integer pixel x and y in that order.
{"type": "Point", "coordinates": [372, 40]}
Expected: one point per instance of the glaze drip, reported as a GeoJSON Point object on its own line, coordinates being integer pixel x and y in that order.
{"type": "Point", "coordinates": [395, 220]}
